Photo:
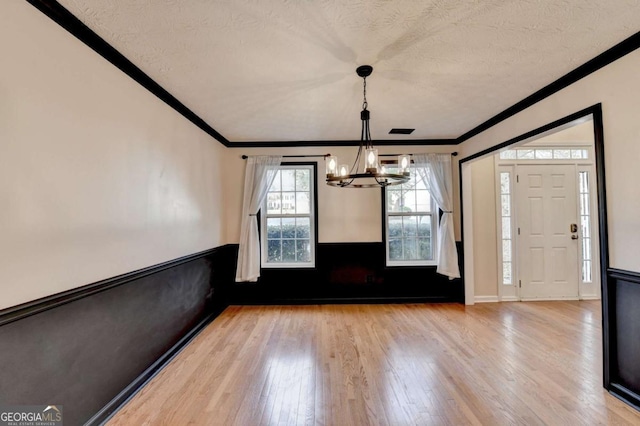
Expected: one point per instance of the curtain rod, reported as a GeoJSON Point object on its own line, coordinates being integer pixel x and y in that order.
{"type": "Point", "coordinates": [244, 157]}
{"type": "Point", "coordinates": [454, 154]}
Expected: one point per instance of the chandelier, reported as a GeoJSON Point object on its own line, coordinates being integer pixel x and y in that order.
{"type": "Point", "coordinates": [372, 175]}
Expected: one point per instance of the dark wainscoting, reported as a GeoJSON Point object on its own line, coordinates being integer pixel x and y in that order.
{"type": "Point", "coordinates": [621, 316]}
{"type": "Point", "coordinates": [92, 348]}
{"type": "Point", "coordinates": [346, 273]}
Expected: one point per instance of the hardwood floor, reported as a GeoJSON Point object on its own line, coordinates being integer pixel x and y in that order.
{"type": "Point", "coordinates": [490, 364]}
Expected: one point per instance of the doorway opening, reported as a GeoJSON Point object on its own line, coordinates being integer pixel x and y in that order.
{"type": "Point", "coordinates": [534, 222]}
{"type": "Point", "coordinates": [547, 216]}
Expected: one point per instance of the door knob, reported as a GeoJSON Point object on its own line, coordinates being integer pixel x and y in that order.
{"type": "Point", "coordinates": [574, 227]}
{"type": "Point", "coordinates": [574, 237]}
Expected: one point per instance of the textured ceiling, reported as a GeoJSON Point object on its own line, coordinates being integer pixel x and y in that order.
{"type": "Point", "coordinates": [284, 70]}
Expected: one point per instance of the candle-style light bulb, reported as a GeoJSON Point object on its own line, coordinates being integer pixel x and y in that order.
{"type": "Point", "coordinates": [404, 162]}
{"type": "Point", "coordinates": [371, 159]}
{"type": "Point", "coordinates": [332, 165]}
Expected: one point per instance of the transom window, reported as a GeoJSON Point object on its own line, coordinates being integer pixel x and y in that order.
{"type": "Point", "coordinates": [410, 222]}
{"type": "Point", "coordinates": [288, 233]}
{"type": "Point", "coordinates": [545, 154]}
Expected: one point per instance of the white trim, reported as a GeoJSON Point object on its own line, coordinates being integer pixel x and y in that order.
{"type": "Point", "coordinates": [590, 297]}
{"type": "Point", "coordinates": [467, 226]}
{"type": "Point", "coordinates": [510, 299]}
{"type": "Point", "coordinates": [547, 299]}
{"type": "Point", "coordinates": [486, 299]}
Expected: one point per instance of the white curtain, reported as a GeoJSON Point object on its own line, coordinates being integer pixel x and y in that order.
{"type": "Point", "coordinates": [258, 176]}
{"type": "Point", "coordinates": [435, 169]}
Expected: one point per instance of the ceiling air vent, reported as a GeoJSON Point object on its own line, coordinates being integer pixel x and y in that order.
{"type": "Point", "coordinates": [396, 131]}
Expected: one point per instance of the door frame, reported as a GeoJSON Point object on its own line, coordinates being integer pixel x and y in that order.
{"type": "Point", "coordinates": [586, 291]}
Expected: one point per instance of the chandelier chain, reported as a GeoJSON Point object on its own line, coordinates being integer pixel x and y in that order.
{"type": "Point", "coordinates": [364, 93]}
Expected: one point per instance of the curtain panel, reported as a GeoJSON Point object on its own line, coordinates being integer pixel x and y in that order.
{"type": "Point", "coordinates": [259, 174]}
{"type": "Point", "coordinates": [436, 170]}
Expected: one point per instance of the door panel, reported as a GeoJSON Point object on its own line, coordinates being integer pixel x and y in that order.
{"type": "Point", "coordinates": [546, 203]}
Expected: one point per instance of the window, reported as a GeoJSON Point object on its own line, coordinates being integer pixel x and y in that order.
{"type": "Point", "coordinates": [545, 154]}
{"type": "Point", "coordinates": [506, 228]}
{"type": "Point", "coordinates": [410, 222]}
{"type": "Point", "coordinates": [585, 222]}
{"type": "Point", "coordinates": [288, 228]}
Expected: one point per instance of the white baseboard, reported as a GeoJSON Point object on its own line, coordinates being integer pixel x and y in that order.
{"type": "Point", "coordinates": [590, 297]}
{"type": "Point", "coordinates": [510, 299]}
{"type": "Point", "coordinates": [486, 299]}
{"type": "Point", "coordinates": [547, 299]}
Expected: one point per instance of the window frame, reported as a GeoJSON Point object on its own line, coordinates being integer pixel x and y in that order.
{"type": "Point", "coordinates": [313, 220]}
{"type": "Point", "coordinates": [435, 221]}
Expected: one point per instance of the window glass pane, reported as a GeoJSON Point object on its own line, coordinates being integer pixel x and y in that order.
{"type": "Point", "coordinates": [423, 199]}
{"type": "Point", "coordinates": [424, 226]}
{"type": "Point", "coordinates": [525, 154]}
{"type": "Point", "coordinates": [508, 155]}
{"type": "Point", "coordinates": [302, 179]}
{"type": "Point", "coordinates": [303, 250]}
{"type": "Point", "coordinates": [288, 250]}
{"type": "Point", "coordinates": [303, 227]}
{"type": "Point", "coordinates": [506, 228]}
{"type": "Point", "coordinates": [582, 182]}
{"type": "Point", "coordinates": [506, 205]}
{"type": "Point", "coordinates": [288, 202]}
{"type": "Point", "coordinates": [395, 226]}
{"type": "Point", "coordinates": [303, 204]}
{"type": "Point", "coordinates": [561, 154]}
{"type": "Point", "coordinates": [506, 250]}
{"type": "Point", "coordinates": [506, 273]}
{"type": "Point", "coordinates": [273, 203]}
{"type": "Point", "coordinates": [584, 221]}
{"type": "Point", "coordinates": [544, 154]}
{"type": "Point", "coordinates": [288, 179]}
{"type": "Point", "coordinates": [273, 228]}
{"type": "Point", "coordinates": [585, 153]}
{"type": "Point", "coordinates": [586, 271]}
{"type": "Point", "coordinates": [504, 183]}
{"type": "Point", "coordinates": [394, 200]}
{"type": "Point", "coordinates": [587, 251]}
{"type": "Point", "coordinates": [288, 227]}
{"type": "Point", "coordinates": [410, 249]}
{"type": "Point", "coordinates": [410, 226]}
{"type": "Point", "coordinates": [395, 249]}
{"type": "Point", "coordinates": [275, 186]}
{"type": "Point", "coordinates": [576, 154]}
{"type": "Point", "coordinates": [418, 183]}
{"type": "Point", "coordinates": [409, 201]}
{"type": "Point", "coordinates": [424, 247]}
{"type": "Point", "coordinates": [585, 204]}
{"type": "Point", "coordinates": [274, 251]}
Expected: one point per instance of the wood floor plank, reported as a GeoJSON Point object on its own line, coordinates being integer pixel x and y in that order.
{"type": "Point", "coordinates": [490, 364]}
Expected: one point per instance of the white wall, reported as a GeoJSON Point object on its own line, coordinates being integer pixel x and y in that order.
{"type": "Point", "coordinates": [485, 259]}
{"type": "Point", "coordinates": [344, 215]}
{"type": "Point", "coordinates": [97, 176]}
{"type": "Point", "coordinates": [617, 87]}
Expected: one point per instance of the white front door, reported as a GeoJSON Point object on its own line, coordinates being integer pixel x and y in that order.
{"type": "Point", "coordinates": [547, 245]}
